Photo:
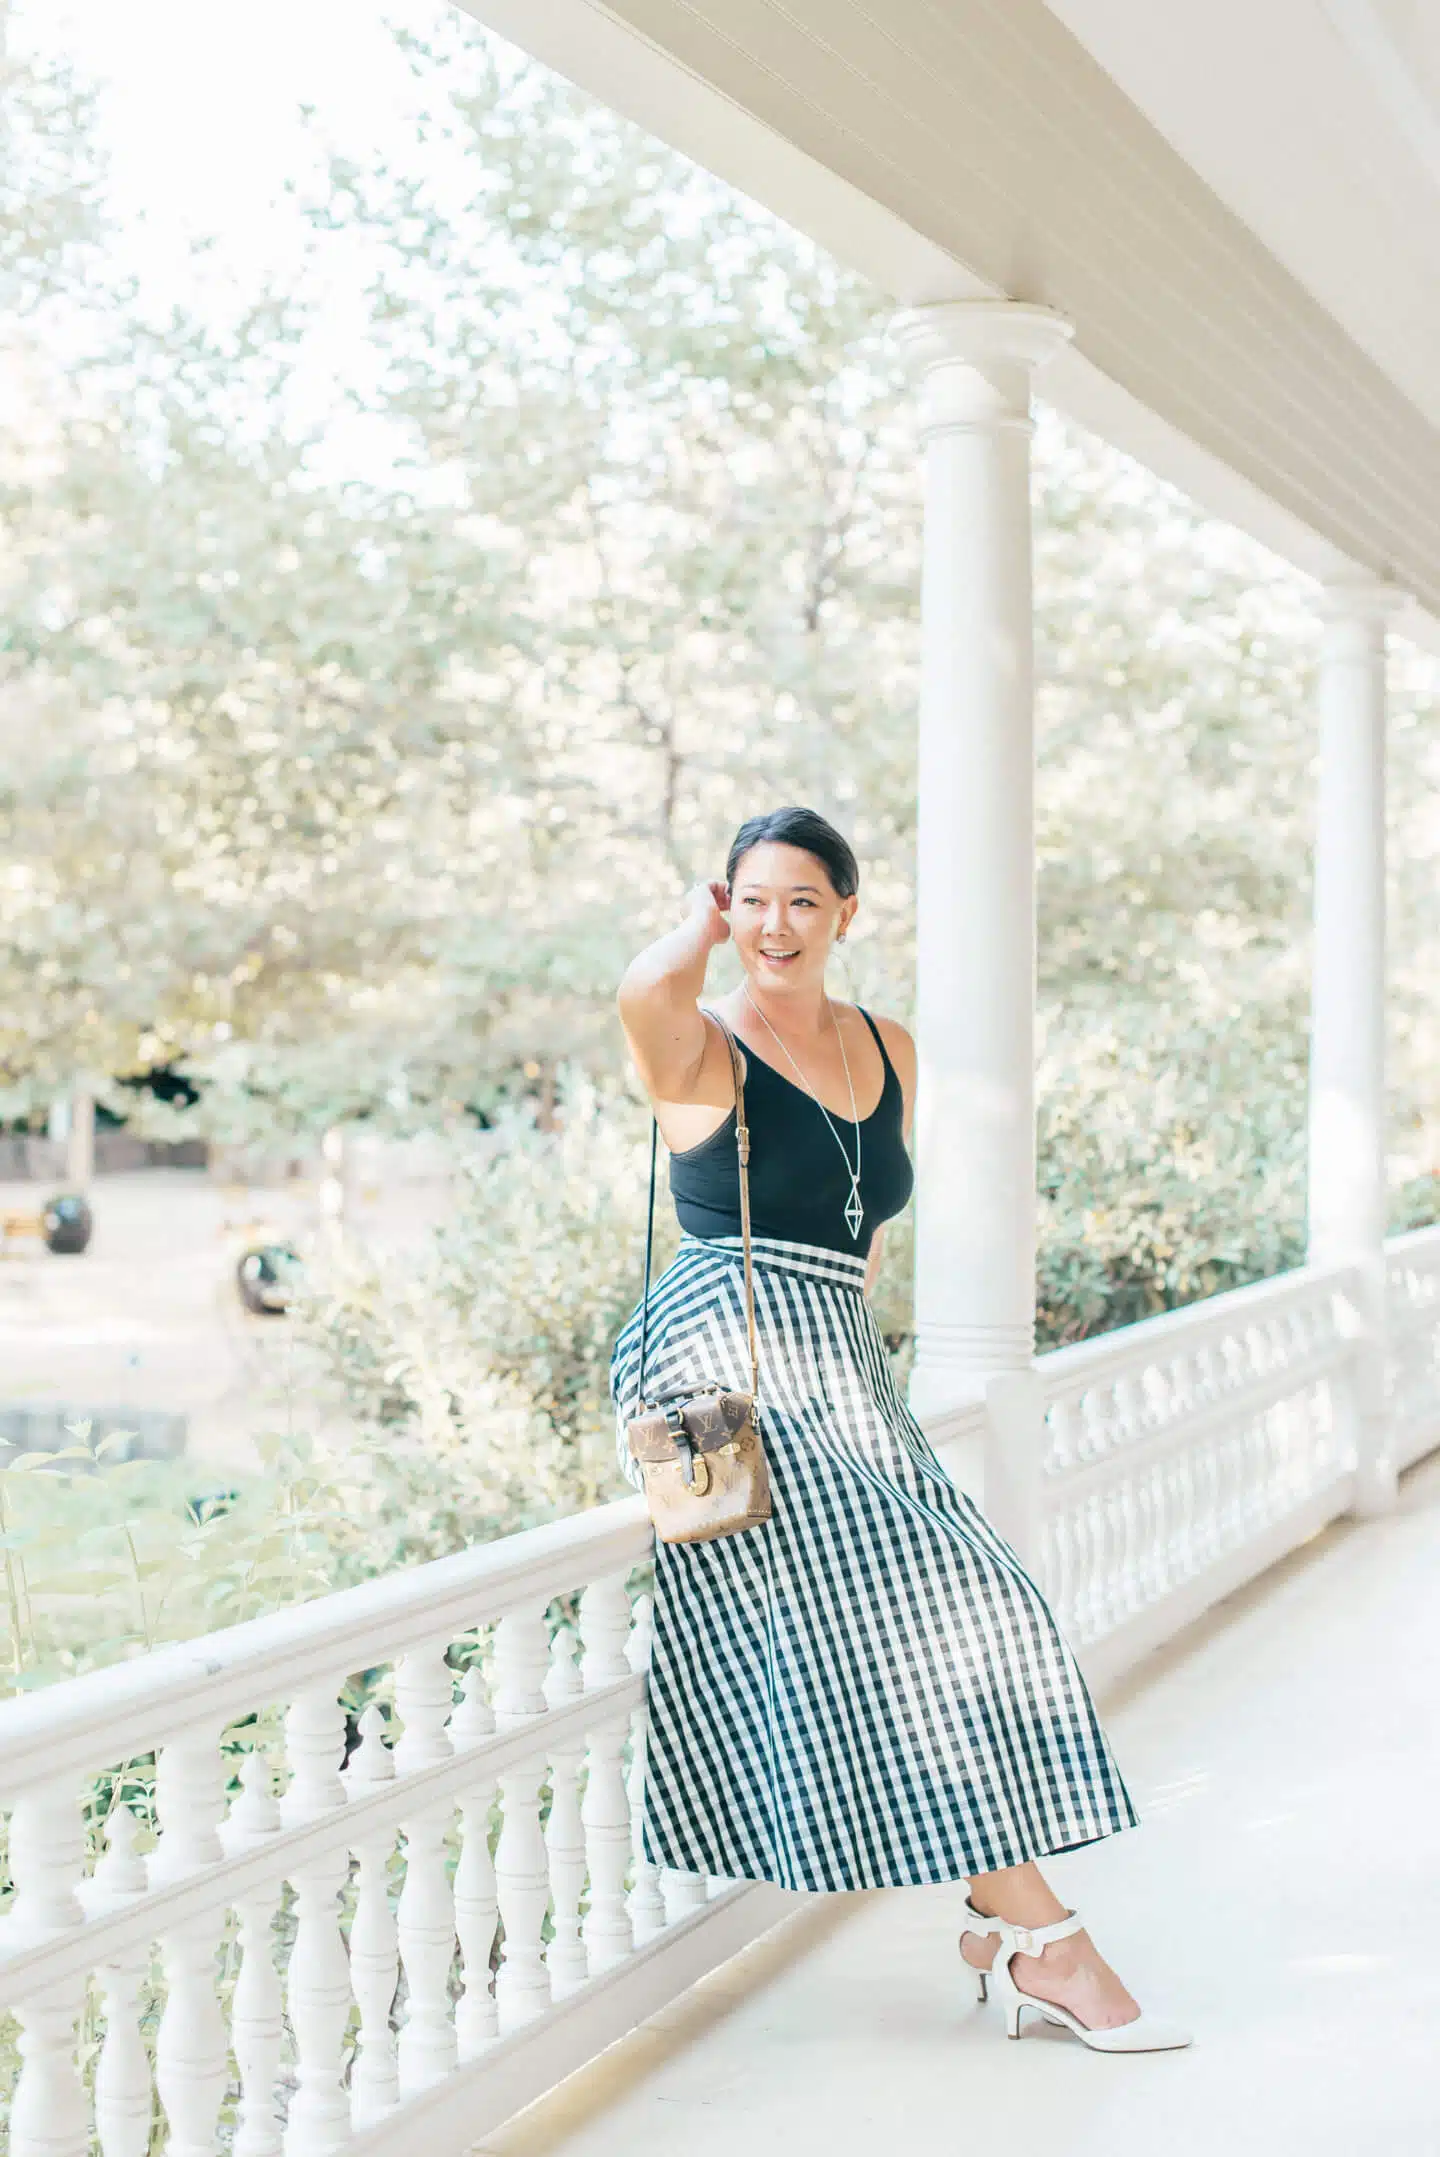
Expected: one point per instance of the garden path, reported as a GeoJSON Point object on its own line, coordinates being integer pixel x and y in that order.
{"type": "Point", "coordinates": [148, 1316]}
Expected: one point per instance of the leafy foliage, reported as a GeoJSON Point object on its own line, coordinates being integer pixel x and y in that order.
{"type": "Point", "coordinates": [348, 781]}
{"type": "Point", "coordinates": [102, 1557]}
{"type": "Point", "coordinates": [472, 1385]}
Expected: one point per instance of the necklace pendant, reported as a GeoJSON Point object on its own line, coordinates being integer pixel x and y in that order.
{"type": "Point", "coordinates": [854, 1213]}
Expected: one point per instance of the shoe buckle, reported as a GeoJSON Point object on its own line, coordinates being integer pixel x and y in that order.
{"type": "Point", "coordinates": [1024, 1940]}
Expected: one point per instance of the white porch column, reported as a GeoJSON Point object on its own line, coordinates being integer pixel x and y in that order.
{"type": "Point", "coordinates": [1347, 1028]}
{"type": "Point", "coordinates": [975, 884]}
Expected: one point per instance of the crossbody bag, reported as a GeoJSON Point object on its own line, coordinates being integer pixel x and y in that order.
{"type": "Point", "coordinates": [699, 1451]}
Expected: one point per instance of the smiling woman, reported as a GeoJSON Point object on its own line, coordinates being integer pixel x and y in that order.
{"type": "Point", "coordinates": [864, 1689]}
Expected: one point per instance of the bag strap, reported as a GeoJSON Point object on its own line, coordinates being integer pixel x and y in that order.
{"type": "Point", "coordinates": [742, 1150]}
{"type": "Point", "coordinates": [649, 1254]}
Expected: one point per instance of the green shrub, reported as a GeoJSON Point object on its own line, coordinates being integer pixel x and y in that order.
{"type": "Point", "coordinates": [471, 1382]}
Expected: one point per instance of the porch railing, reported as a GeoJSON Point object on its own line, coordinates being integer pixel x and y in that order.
{"type": "Point", "coordinates": [444, 1908]}
{"type": "Point", "coordinates": [1412, 1299]}
{"type": "Point", "coordinates": [1186, 1454]}
{"type": "Point", "coordinates": [499, 1797]}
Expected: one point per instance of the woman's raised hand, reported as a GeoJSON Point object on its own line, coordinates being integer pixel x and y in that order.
{"type": "Point", "coordinates": [709, 904]}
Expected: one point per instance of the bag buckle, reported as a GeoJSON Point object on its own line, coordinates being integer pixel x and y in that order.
{"type": "Point", "coordinates": [685, 1448]}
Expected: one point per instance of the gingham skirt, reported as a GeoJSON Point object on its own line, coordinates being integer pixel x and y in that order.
{"type": "Point", "coordinates": [869, 1691]}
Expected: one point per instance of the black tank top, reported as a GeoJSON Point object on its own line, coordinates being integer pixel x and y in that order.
{"type": "Point", "coordinates": [799, 1186]}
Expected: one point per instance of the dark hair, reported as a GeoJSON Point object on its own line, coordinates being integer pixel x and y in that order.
{"type": "Point", "coordinates": [808, 830]}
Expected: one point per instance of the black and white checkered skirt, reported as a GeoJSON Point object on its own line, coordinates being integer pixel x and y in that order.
{"type": "Point", "coordinates": [869, 1691]}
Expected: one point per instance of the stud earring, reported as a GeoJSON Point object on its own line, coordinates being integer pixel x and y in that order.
{"type": "Point", "coordinates": [842, 936]}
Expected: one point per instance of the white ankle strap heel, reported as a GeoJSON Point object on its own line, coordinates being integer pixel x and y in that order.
{"type": "Point", "coordinates": [1147, 2033]}
{"type": "Point", "coordinates": [985, 1928]}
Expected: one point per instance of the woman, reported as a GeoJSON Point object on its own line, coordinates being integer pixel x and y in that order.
{"type": "Point", "coordinates": [867, 1691]}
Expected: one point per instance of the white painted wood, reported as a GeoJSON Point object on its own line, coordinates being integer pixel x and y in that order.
{"type": "Point", "coordinates": [257, 2007]}
{"type": "Point", "coordinates": [532, 2058]}
{"type": "Point", "coordinates": [191, 2051]}
{"type": "Point", "coordinates": [946, 152]}
{"type": "Point", "coordinates": [317, 1989]}
{"type": "Point", "coordinates": [424, 1700]}
{"type": "Point", "coordinates": [646, 1904]}
{"type": "Point", "coordinates": [1189, 1454]}
{"type": "Point", "coordinates": [522, 1664]}
{"type": "Point", "coordinates": [609, 1937]}
{"type": "Point", "coordinates": [564, 1830]}
{"type": "Point", "coordinates": [1413, 1340]}
{"type": "Point", "coordinates": [477, 1909]}
{"type": "Point", "coordinates": [63, 1732]}
{"type": "Point", "coordinates": [683, 1893]}
{"type": "Point", "coordinates": [189, 1806]}
{"type": "Point", "coordinates": [48, 2113]}
{"type": "Point", "coordinates": [975, 864]}
{"type": "Point", "coordinates": [124, 2101]}
{"type": "Point", "coordinates": [425, 1921]}
{"type": "Point", "coordinates": [1014, 1459]}
{"type": "Point", "coordinates": [1180, 1458]}
{"type": "Point", "coordinates": [425, 1928]}
{"type": "Point", "coordinates": [191, 2044]}
{"type": "Point", "coordinates": [216, 1887]}
{"type": "Point", "coordinates": [47, 1864]}
{"type": "Point", "coordinates": [374, 1944]}
{"type": "Point", "coordinates": [1347, 1027]}
{"type": "Point", "coordinates": [605, 1631]}
{"type": "Point", "coordinates": [522, 1877]}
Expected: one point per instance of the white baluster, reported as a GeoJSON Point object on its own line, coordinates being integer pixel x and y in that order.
{"type": "Point", "coordinates": [47, 1865]}
{"type": "Point", "coordinates": [124, 2104]}
{"type": "Point", "coordinates": [682, 1893]}
{"type": "Point", "coordinates": [257, 2009]}
{"type": "Point", "coordinates": [424, 1695]}
{"type": "Point", "coordinates": [318, 1979]}
{"type": "Point", "coordinates": [191, 2046]}
{"type": "Point", "coordinates": [48, 2114]}
{"type": "Point", "coordinates": [374, 1952]}
{"type": "Point", "coordinates": [1127, 1408]}
{"type": "Point", "coordinates": [522, 1983]}
{"type": "Point", "coordinates": [1117, 1553]}
{"type": "Point", "coordinates": [1063, 1452]}
{"type": "Point", "coordinates": [477, 1911]}
{"type": "Point", "coordinates": [646, 1904]}
{"type": "Point", "coordinates": [1204, 1539]}
{"type": "Point", "coordinates": [564, 1832]}
{"type": "Point", "coordinates": [605, 1630]}
{"type": "Point", "coordinates": [1090, 1521]}
{"type": "Point", "coordinates": [189, 1807]}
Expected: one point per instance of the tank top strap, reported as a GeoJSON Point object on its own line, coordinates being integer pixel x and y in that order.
{"type": "Point", "coordinates": [891, 1075]}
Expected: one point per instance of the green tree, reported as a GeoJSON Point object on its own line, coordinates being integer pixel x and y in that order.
{"type": "Point", "coordinates": [361, 770]}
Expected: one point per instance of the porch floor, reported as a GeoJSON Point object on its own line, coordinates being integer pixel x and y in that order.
{"type": "Point", "coordinates": [1282, 1896]}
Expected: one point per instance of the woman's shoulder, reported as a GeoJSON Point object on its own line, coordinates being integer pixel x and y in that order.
{"type": "Point", "coordinates": [899, 1046]}
{"type": "Point", "coordinates": [892, 1033]}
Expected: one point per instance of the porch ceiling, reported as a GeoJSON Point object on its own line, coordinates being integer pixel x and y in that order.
{"type": "Point", "coordinates": [1239, 208]}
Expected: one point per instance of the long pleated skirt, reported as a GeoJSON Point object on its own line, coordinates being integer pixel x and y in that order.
{"type": "Point", "coordinates": [868, 1691]}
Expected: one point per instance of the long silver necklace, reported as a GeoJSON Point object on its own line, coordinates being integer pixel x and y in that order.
{"type": "Point", "coordinates": [854, 1210]}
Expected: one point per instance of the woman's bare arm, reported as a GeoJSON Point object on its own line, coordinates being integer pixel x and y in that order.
{"type": "Point", "coordinates": [659, 1002]}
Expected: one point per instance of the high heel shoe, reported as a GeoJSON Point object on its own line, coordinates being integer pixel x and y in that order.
{"type": "Point", "coordinates": [984, 1927]}
{"type": "Point", "coordinates": [1146, 2033]}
